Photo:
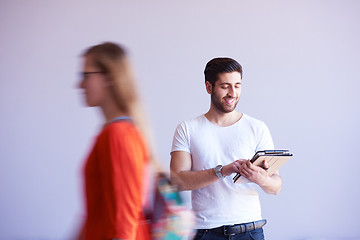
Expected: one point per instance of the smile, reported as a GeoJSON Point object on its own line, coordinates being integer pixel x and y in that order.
{"type": "Point", "coordinates": [229, 100]}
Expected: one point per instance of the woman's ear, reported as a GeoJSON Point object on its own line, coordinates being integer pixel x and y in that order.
{"type": "Point", "coordinates": [109, 81]}
{"type": "Point", "coordinates": [208, 87]}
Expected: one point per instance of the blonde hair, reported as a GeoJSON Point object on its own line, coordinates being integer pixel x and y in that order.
{"type": "Point", "coordinates": [111, 59]}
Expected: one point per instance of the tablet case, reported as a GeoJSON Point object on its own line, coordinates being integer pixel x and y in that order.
{"type": "Point", "coordinates": [275, 159]}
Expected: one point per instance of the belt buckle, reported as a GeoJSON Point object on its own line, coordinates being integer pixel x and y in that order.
{"type": "Point", "coordinates": [226, 231]}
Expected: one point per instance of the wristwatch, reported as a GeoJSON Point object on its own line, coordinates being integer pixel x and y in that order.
{"type": "Point", "coordinates": [217, 171]}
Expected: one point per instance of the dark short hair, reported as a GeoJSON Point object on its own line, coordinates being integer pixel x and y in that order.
{"type": "Point", "coordinates": [220, 65]}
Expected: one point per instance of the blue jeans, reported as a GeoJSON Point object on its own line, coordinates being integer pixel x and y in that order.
{"type": "Point", "coordinates": [203, 234]}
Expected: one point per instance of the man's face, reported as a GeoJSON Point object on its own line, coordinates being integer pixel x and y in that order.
{"type": "Point", "coordinates": [226, 92]}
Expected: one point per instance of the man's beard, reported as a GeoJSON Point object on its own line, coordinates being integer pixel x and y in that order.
{"type": "Point", "coordinates": [222, 106]}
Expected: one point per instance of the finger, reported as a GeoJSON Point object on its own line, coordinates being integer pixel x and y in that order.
{"type": "Point", "coordinates": [240, 161]}
{"type": "Point", "coordinates": [265, 165]}
{"type": "Point", "coordinates": [249, 165]}
{"type": "Point", "coordinates": [237, 167]}
{"type": "Point", "coordinates": [245, 171]}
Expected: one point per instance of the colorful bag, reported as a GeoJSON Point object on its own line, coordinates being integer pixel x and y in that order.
{"type": "Point", "coordinates": [170, 219]}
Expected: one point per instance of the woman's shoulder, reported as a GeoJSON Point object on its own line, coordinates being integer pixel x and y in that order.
{"type": "Point", "coordinates": [119, 130]}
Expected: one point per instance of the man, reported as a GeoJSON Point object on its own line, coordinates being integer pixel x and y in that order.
{"type": "Point", "coordinates": [209, 150]}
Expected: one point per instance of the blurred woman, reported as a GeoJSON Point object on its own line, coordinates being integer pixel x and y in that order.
{"type": "Point", "coordinates": [114, 170]}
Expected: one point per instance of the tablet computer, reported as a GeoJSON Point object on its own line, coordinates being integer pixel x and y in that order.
{"type": "Point", "coordinates": [274, 158]}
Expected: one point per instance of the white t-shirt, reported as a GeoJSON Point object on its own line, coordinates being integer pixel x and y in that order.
{"type": "Point", "coordinates": [223, 202]}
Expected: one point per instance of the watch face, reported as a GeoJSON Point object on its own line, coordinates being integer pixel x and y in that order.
{"type": "Point", "coordinates": [218, 171]}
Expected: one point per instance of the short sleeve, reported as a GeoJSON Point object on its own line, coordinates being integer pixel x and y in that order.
{"type": "Point", "coordinates": [265, 141]}
{"type": "Point", "coordinates": [181, 140]}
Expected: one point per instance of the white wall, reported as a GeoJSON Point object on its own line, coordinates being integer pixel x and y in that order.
{"type": "Point", "coordinates": [301, 76]}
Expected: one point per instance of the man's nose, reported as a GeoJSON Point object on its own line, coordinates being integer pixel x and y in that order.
{"type": "Point", "coordinates": [231, 91]}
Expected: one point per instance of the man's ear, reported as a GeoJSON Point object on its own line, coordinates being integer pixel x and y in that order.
{"type": "Point", "coordinates": [209, 87]}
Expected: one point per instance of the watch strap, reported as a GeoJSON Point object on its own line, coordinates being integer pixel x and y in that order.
{"type": "Point", "coordinates": [217, 171]}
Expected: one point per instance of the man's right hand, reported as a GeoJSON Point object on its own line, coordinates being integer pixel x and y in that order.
{"type": "Point", "coordinates": [233, 167]}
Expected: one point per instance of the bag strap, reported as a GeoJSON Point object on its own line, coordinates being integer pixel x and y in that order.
{"type": "Point", "coordinates": [122, 118]}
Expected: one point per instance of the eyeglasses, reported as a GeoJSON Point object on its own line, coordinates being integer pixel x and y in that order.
{"type": "Point", "coordinates": [85, 74]}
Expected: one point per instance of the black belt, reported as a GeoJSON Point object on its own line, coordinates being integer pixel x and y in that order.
{"type": "Point", "coordinates": [238, 228]}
